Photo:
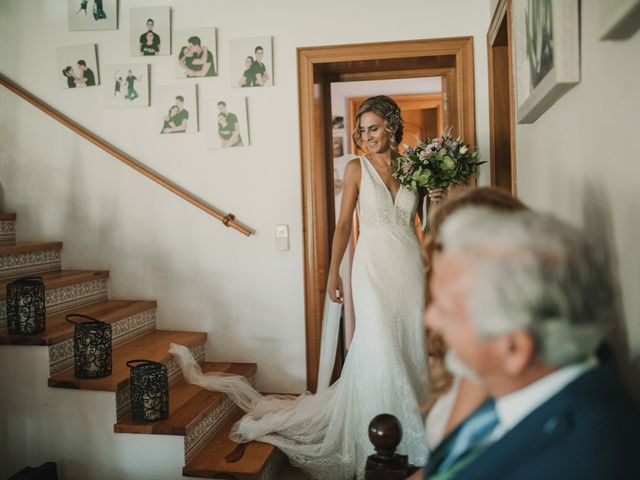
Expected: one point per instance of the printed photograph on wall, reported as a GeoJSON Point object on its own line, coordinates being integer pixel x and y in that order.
{"type": "Point", "coordinates": [177, 108]}
{"type": "Point", "coordinates": [195, 52]}
{"type": "Point", "coordinates": [338, 145]}
{"type": "Point", "coordinates": [78, 66]}
{"type": "Point", "coordinates": [150, 31]}
{"type": "Point", "coordinates": [92, 14]}
{"type": "Point", "coordinates": [547, 53]}
{"type": "Point", "coordinates": [251, 62]}
{"type": "Point", "coordinates": [337, 122]}
{"type": "Point", "coordinates": [130, 85]}
{"type": "Point", "coordinates": [227, 124]}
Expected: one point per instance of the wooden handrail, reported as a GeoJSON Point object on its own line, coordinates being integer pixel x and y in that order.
{"type": "Point", "coordinates": [227, 219]}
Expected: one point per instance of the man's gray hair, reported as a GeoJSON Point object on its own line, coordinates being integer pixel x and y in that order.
{"type": "Point", "coordinates": [532, 271]}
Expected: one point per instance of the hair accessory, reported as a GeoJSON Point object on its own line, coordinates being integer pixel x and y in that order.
{"type": "Point", "coordinates": [394, 118]}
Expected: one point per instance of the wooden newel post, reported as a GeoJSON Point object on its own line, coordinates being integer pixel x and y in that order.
{"type": "Point", "coordinates": [385, 432]}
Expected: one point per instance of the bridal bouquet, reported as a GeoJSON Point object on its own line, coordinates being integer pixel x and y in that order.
{"type": "Point", "coordinates": [436, 163]}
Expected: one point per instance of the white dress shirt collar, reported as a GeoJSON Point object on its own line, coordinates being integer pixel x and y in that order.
{"type": "Point", "coordinates": [514, 407]}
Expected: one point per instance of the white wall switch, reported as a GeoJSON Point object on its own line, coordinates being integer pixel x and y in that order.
{"type": "Point", "coordinates": [281, 233]}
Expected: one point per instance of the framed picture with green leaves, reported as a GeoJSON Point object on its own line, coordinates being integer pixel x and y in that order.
{"type": "Point", "coordinates": [546, 52]}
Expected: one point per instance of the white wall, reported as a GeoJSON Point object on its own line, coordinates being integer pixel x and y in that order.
{"type": "Point", "coordinates": [245, 295]}
{"type": "Point", "coordinates": [581, 158]}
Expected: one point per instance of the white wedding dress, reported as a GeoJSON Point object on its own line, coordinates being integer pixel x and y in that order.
{"type": "Point", "coordinates": [326, 434]}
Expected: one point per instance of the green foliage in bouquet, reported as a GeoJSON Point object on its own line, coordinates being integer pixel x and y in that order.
{"type": "Point", "coordinates": [436, 163]}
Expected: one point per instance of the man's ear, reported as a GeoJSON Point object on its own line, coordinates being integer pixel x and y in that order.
{"type": "Point", "coordinates": [518, 351]}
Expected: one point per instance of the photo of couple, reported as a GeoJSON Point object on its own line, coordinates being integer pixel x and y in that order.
{"type": "Point", "coordinates": [255, 73]}
{"type": "Point", "coordinates": [78, 66]}
{"type": "Point", "coordinates": [252, 62]}
{"type": "Point", "coordinates": [181, 116]}
{"type": "Point", "coordinates": [130, 85]}
{"type": "Point", "coordinates": [150, 31]}
{"type": "Point", "coordinates": [197, 56]}
{"type": "Point", "coordinates": [92, 14]}
{"type": "Point", "coordinates": [230, 120]}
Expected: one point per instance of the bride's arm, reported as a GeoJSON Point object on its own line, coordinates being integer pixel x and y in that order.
{"type": "Point", "coordinates": [422, 193]}
{"type": "Point", "coordinates": [342, 233]}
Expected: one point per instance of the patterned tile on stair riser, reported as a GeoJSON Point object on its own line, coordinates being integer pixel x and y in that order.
{"type": "Point", "coordinates": [30, 262]}
{"type": "Point", "coordinates": [123, 331]}
{"type": "Point", "coordinates": [206, 428]}
{"type": "Point", "coordinates": [7, 231]}
{"type": "Point", "coordinates": [273, 466]}
{"type": "Point", "coordinates": [123, 397]}
{"type": "Point", "coordinates": [65, 298]}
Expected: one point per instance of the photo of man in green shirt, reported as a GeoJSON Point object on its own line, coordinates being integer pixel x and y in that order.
{"type": "Point", "coordinates": [179, 120]}
{"type": "Point", "coordinates": [228, 128]}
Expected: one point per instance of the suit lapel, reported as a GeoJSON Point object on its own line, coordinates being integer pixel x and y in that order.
{"type": "Point", "coordinates": [546, 425]}
{"type": "Point", "coordinates": [536, 433]}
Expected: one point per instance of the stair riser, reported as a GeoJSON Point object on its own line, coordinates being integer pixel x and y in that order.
{"type": "Point", "coordinates": [200, 434]}
{"type": "Point", "coordinates": [66, 298]}
{"type": "Point", "coordinates": [27, 263]}
{"type": "Point", "coordinates": [273, 466]}
{"type": "Point", "coordinates": [123, 331]}
{"type": "Point", "coordinates": [7, 231]}
{"type": "Point", "coordinates": [123, 395]}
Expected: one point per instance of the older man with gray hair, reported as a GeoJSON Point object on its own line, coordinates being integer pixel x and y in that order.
{"type": "Point", "coordinates": [524, 301]}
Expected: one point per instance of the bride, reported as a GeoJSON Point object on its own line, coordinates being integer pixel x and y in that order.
{"type": "Point", "coordinates": [326, 434]}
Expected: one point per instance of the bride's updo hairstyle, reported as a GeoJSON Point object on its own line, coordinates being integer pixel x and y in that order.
{"type": "Point", "coordinates": [386, 108]}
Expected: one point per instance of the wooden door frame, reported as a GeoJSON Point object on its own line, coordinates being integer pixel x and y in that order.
{"type": "Point", "coordinates": [497, 123]}
{"type": "Point", "coordinates": [317, 68]}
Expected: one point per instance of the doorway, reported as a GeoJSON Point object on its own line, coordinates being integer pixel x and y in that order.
{"type": "Point", "coordinates": [318, 67]}
{"type": "Point", "coordinates": [502, 124]}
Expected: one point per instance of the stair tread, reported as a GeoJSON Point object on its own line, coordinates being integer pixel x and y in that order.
{"type": "Point", "coordinates": [58, 279]}
{"type": "Point", "coordinates": [24, 247]}
{"type": "Point", "coordinates": [59, 330]}
{"type": "Point", "coordinates": [210, 461]}
{"type": "Point", "coordinates": [187, 403]}
{"type": "Point", "coordinates": [7, 216]}
{"type": "Point", "coordinates": [151, 346]}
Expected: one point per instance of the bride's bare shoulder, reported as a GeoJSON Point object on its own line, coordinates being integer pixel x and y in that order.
{"type": "Point", "coordinates": [353, 168]}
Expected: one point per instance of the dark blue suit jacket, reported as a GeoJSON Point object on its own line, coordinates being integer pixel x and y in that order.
{"type": "Point", "coordinates": [588, 430]}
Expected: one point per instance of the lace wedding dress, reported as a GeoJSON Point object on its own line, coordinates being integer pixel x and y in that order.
{"type": "Point", "coordinates": [326, 434]}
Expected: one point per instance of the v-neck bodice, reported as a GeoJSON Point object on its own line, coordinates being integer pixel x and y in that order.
{"type": "Point", "coordinates": [376, 205]}
{"type": "Point", "coordinates": [377, 173]}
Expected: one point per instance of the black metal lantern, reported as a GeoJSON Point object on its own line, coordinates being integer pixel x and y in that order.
{"type": "Point", "coordinates": [26, 311]}
{"type": "Point", "coordinates": [149, 390]}
{"type": "Point", "coordinates": [91, 346]}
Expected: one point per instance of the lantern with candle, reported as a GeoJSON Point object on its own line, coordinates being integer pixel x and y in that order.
{"type": "Point", "coordinates": [91, 346]}
{"type": "Point", "coordinates": [26, 311]}
{"type": "Point", "coordinates": [149, 390]}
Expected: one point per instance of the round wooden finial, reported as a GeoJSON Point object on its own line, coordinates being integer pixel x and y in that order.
{"type": "Point", "coordinates": [385, 432]}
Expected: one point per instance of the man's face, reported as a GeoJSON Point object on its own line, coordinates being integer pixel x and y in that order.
{"type": "Point", "coordinates": [448, 314]}
{"type": "Point", "coordinates": [179, 103]}
{"type": "Point", "coordinates": [149, 25]}
{"type": "Point", "coordinates": [81, 67]}
{"type": "Point", "coordinates": [194, 48]}
{"type": "Point", "coordinates": [259, 54]}
{"type": "Point", "coordinates": [222, 109]}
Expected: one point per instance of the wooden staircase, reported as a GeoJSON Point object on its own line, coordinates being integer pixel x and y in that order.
{"type": "Point", "coordinates": [202, 417]}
